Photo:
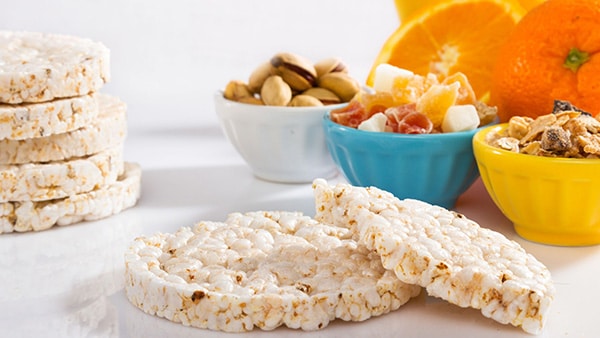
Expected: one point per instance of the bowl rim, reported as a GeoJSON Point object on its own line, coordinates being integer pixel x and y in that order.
{"type": "Point", "coordinates": [389, 135]}
{"type": "Point", "coordinates": [219, 97]}
{"type": "Point", "coordinates": [479, 142]}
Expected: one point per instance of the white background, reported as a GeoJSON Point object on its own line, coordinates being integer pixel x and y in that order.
{"type": "Point", "coordinates": [168, 58]}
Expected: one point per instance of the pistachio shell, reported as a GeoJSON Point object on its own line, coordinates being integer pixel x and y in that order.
{"type": "Point", "coordinates": [259, 75]}
{"type": "Point", "coordinates": [341, 84]}
{"type": "Point", "coordinates": [275, 92]}
{"type": "Point", "coordinates": [304, 101]}
{"type": "Point", "coordinates": [236, 90]}
{"type": "Point", "coordinates": [326, 96]}
{"type": "Point", "coordinates": [251, 100]}
{"type": "Point", "coordinates": [330, 65]}
{"type": "Point", "coordinates": [295, 70]}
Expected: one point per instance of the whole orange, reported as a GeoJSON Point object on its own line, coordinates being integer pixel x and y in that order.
{"type": "Point", "coordinates": [553, 53]}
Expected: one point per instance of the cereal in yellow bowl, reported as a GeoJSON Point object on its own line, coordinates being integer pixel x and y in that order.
{"type": "Point", "coordinates": [551, 198]}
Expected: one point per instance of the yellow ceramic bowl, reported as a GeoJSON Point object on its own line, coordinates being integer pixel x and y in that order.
{"type": "Point", "coordinates": [549, 200]}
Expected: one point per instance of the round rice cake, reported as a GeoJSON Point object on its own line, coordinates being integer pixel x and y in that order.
{"type": "Point", "coordinates": [449, 255]}
{"type": "Point", "coordinates": [104, 201]}
{"type": "Point", "coordinates": [260, 269]}
{"type": "Point", "coordinates": [108, 130]}
{"type": "Point", "coordinates": [31, 120]}
{"type": "Point", "coordinates": [39, 67]}
{"type": "Point", "coordinates": [46, 181]}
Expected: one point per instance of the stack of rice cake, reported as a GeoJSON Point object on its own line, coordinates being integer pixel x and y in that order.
{"type": "Point", "coordinates": [61, 140]}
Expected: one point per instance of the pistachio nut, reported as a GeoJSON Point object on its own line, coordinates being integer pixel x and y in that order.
{"type": "Point", "coordinates": [251, 100]}
{"type": "Point", "coordinates": [304, 101]}
{"type": "Point", "coordinates": [275, 91]}
{"type": "Point", "coordinates": [298, 72]}
{"type": "Point", "coordinates": [330, 65]}
{"type": "Point", "coordinates": [341, 84]}
{"type": "Point", "coordinates": [259, 75]}
{"type": "Point", "coordinates": [326, 96]}
{"type": "Point", "coordinates": [236, 90]}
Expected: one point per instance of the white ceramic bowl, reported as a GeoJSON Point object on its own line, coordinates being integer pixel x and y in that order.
{"type": "Point", "coordinates": [280, 144]}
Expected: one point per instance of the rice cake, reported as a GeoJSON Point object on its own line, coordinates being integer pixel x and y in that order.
{"type": "Point", "coordinates": [99, 203]}
{"type": "Point", "coordinates": [39, 67]}
{"type": "Point", "coordinates": [108, 130]}
{"type": "Point", "coordinates": [45, 181]}
{"type": "Point", "coordinates": [263, 269]}
{"type": "Point", "coordinates": [445, 252]}
{"type": "Point", "coordinates": [31, 120]}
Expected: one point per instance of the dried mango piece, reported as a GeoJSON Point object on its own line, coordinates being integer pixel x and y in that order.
{"type": "Point", "coordinates": [436, 100]}
{"type": "Point", "coordinates": [408, 89]}
{"type": "Point", "coordinates": [466, 94]}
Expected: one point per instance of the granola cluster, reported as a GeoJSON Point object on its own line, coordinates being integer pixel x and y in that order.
{"type": "Point", "coordinates": [568, 133]}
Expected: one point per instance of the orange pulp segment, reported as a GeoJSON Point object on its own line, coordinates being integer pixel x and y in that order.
{"type": "Point", "coordinates": [454, 36]}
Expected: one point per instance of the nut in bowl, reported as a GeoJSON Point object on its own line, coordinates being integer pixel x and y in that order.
{"type": "Point", "coordinates": [274, 119]}
{"type": "Point", "coordinates": [549, 199]}
{"type": "Point", "coordinates": [412, 136]}
{"type": "Point", "coordinates": [280, 144]}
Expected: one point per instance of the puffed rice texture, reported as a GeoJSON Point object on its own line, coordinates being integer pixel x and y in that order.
{"type": "Point", "coordinates": [46, 181]}
{"type": "Point", "coordinates": [260, 269]}
{"type": "Point", "coordinates": [451, 256]}
{"type": "Point", "coordinates": [104, 201]}
{"type": "Point", "coordinates": [39, 67]}
{"type": "Point", "coordinates": [25, 121]}
{"type": "Point", "coordinates": [108, 130]}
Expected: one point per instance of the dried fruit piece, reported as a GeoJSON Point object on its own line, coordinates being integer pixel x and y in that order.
{"type": "Point", "coordinates": [415, 123]}
{"type": "Point", "coordinates": [386, 74]}
{"type": "Point", "coordinates": [402, 92]}
{"type": "Point", "coordinates": [351, 115]}
{"type": "Point", "coordinates": [436, 101]}
{"type": "Point", "coordinates": [376, 102]}
{"type": "Point", "coordinates": [376, 122]}
{"type": "Point", "coordinates": [460, 118]}
{"type": "Point", "coordinates": [466, 95]}
{"type": "Point", "coordinates": [410, 89]}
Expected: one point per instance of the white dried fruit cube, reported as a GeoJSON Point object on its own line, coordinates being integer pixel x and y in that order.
{"type": "Point", "coordinates": [385, 75]}
{"type": "Point", "coordinates": [460, 118]}
{"type": "Point", "coordinates": [376, 122]}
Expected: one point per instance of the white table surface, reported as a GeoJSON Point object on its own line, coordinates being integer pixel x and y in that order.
{"type": "Point", "coordinates": [167, 60]}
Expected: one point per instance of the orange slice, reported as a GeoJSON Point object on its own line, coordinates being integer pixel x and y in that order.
{"type": "Point", "coordinates": [407, 8]}
{"type": "Point", "coordinates": [450, 37]}
{"type": "Point", "coordinates": [530, 4]}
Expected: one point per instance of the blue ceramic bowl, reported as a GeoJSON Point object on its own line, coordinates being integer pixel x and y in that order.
{"type": "Point", "coordinates": [435, 168]}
